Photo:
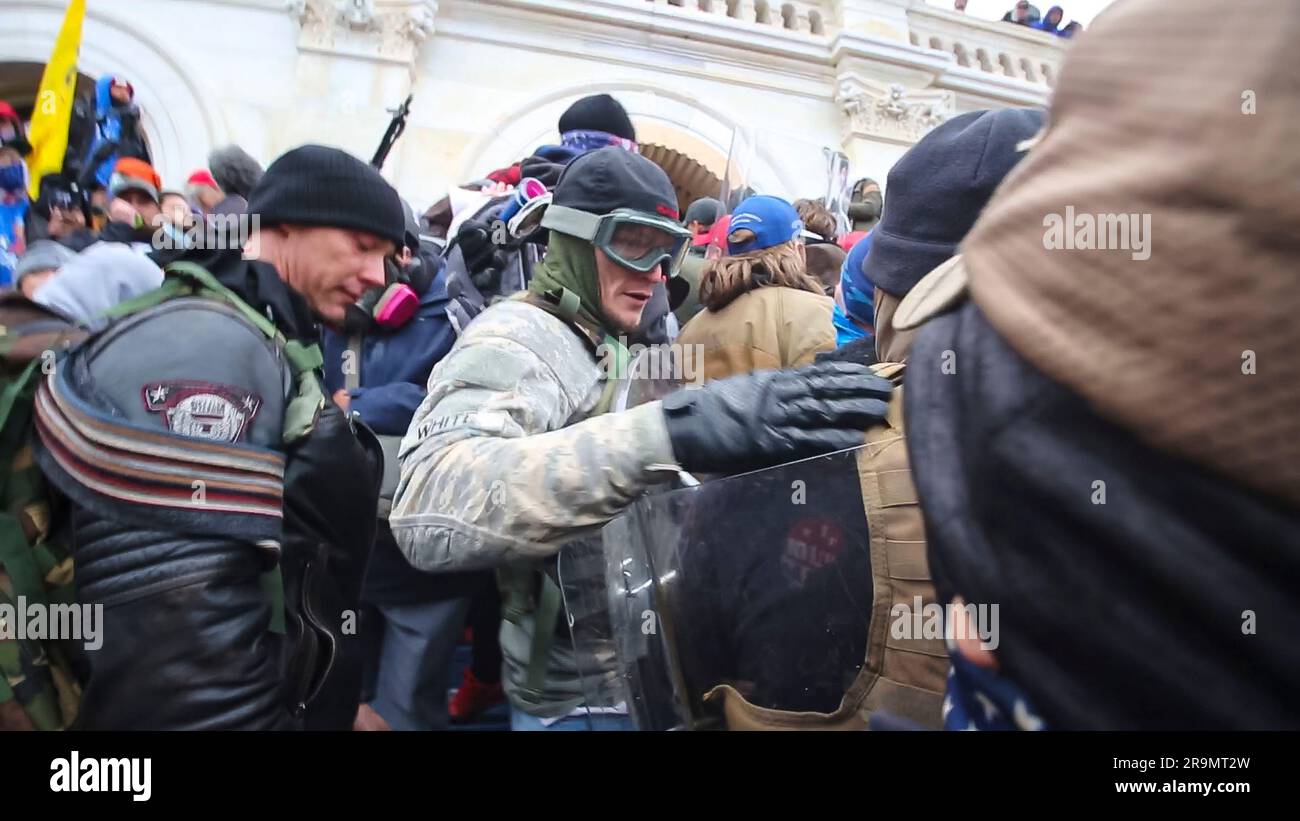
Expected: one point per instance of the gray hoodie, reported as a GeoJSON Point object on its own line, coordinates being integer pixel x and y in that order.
{"type": "Point", "coordinates": [98, 278]}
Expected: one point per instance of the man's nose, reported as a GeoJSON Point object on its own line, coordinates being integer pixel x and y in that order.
{"type": "Point", "coordinates": [656, 274]}
{"type": "Point", "coordinates": [373, 273]}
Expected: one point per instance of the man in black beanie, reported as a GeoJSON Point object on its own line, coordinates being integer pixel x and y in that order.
{"type": "Point", "coordinates": [599, 112]}
{"type": "Point", "coordinates": [222, 510]}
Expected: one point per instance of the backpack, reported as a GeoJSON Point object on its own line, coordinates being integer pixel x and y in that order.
{"type": "Point", "coordinates": [508, 272]}
{"type": "Point", "coordinates": [40, 678]}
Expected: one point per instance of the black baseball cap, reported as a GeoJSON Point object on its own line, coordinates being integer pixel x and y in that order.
{"type": "Point", "coordinates": [604, 180]}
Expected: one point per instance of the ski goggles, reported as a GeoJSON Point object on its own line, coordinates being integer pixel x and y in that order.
{"type": "Point", "coordinates": [633, 239]}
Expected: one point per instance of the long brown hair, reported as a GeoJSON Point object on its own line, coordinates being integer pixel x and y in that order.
{"type": "Point", "coordinates": [817, 218]}
{"type": "Point", "coordinates": [726, 278]}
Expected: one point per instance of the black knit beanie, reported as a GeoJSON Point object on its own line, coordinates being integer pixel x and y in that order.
{"type": "Point", "coordinates": [599, 112]}
{"type": "Point", "coordinates": [937, 190]}
{"type": "Point", "coordinates": [317, 185]}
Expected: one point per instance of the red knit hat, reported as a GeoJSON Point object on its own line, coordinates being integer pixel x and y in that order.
{"type": "Point", "coordinates": [203, 177]}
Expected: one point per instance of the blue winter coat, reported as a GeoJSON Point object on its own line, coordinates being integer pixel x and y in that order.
{"type": "Point", "coordinates": [395, 365]}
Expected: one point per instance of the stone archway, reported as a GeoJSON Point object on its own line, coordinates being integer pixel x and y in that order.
{"type": "Point", "coordinates": [178, 113]}
{"type": "Point", "coordinates": [690, 140]}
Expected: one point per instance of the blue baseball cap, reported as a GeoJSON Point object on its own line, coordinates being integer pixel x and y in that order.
{"type": "Point", "coordinates": [772, 219]}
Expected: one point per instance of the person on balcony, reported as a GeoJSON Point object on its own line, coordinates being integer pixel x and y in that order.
{"type": "Point", "coordinates": [1052, 22]}
{"type": "Point", "coordinates": [1024, 14]}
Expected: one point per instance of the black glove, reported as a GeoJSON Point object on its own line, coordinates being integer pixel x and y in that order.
{"type": "Point", "coordinates": [475, 241]}
{"type": "Point", "coordinates": [767, 418]}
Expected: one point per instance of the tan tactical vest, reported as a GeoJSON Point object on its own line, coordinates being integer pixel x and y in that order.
{"type": "Point", "coordinates": [903, 677]}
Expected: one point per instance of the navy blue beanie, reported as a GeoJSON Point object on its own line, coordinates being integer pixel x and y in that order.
{"type": "Point", "coordinates": [937, 190]}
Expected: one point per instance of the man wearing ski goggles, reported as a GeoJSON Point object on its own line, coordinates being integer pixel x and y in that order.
{"type": "Point", "coordinates": [614, 237]}
{"type": "Point", "coordinates": [516, 449]}
{"type": "Point", "coordinates": [630, 238]}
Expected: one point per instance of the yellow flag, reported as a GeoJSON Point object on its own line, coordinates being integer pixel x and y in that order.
{"type": "Point", "coordinates": [52, 113]}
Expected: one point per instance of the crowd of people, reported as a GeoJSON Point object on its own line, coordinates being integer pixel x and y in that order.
{"type": "Point", "coordinates": [1025, 13]}
{"type": "Point", "coordinates": [299, 466]}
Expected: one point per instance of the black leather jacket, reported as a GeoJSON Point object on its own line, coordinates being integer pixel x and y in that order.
{"type": "Point", "coordinates": [187, 635]}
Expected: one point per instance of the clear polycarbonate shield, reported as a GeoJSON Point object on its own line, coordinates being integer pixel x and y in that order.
{"type": "Point", "coordinates": [580, 572]}
{"type": "Point", "coordinates": [761, 581]}
{"type": "Point", "coordinates": [838, 185]}
{"type": "Point", "coordinates": [787, 165]}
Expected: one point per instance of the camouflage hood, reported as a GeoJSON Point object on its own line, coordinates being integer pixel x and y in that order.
{"type": "Point", "coordinates": [570, 264]}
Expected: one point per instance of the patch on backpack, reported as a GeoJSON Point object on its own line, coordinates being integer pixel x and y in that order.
{"type": "Point", "coordinates": [203, 410]}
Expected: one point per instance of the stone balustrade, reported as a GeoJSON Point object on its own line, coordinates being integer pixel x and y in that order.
{"type": "Point", "coordinates": [803, 17]}
{"type": "Point", "coordinates": [989, 47]}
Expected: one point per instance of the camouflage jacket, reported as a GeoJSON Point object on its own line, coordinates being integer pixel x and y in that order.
{"type": "Point", "coordinates": [502, 463]}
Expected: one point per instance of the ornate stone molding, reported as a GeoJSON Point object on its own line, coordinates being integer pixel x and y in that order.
{"type": "Point", "coordinates": [383, 30]}
{"type": "Point", "coordinates": [890, 112]}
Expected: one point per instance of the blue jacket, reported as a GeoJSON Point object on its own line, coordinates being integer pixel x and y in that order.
{"type": "Point", "coordinates": [13, 215]}
{"type": "Point", "coordinates": [395, 365]}
{"type": "Point", "coordinates": [108, 126]}
{"type": "Point", "coordinates": [1044, 25]}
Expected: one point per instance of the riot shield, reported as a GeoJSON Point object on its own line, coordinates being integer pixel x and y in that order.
{"type": "Point", "coordinates": [580, 572]}
{"type": "Point", "coordinates": [761, 581]}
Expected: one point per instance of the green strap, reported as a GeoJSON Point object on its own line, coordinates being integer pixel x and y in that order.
{"type": "Point", "coordinates": [170, 288]}
{"type": "Point", "coordinates": [607, 396]}
{"type": "Point", "coordinates": [206, 281]}
{"type": "Point", "coordinates": [14, 388]}
{"type": "Point", "coordinates": [569, 304]}
{"type": "Point", "coordinates": [303, 358]}
{"type": "Point", "coordinates": [18, 561]}
{"type": "Point", "coordinates": [539, 653]}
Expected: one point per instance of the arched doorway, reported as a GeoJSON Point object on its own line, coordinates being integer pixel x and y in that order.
{"type": "Point", "coordinates": [691, 179]}
{"type": "Point", "coordinates": [20, 80]}
{"type": "Point", "coordinates": [19, 84]}
{"type": "Point", "coordinates": [178, 113]}
{"type": "Point", "coordinates": [691, 141]}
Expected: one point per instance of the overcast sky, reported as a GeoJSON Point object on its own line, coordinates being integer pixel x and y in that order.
{"type": "Point", "coordinates": [1081, 10]}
